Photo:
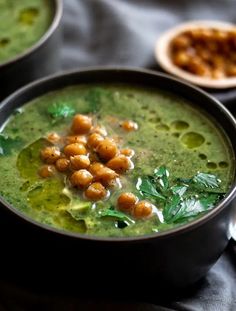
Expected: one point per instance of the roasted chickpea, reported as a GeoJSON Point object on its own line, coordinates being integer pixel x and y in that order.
{"type": "Point", "coordinates": [106, 176]}
{"type": "Point", "coordinates": [126, 201]}
{"type": "Point", "coordinates": [46, 171]}
{"type": "Point", "coordinates": [208, 53]}
{"type": "Point", "coordinates": [107, 149]}
{"type": "Point", "coordinates": [231, 70]}
{"type": "Point", "coordinates": [76, 139]}
{"type": "Point", "coordinates": [94, 140]}
{"type": "Point", "coordinates": [79, 161]}
{"type": "Point", "coordinates": [81, 124]}
{"type": "Point", "coordinates": [119, 163]}
{"type": "Point", "coordinates": [96, 191]}
{"type": "Point", "coordinates": [95, 167]}
{"type": "Point", "coordinates": [74, 149]}
{"type": "Point", "coordinates": [81, 179]}
{"type": "Point", "coordinates": [181, 59]}
{"type": "Point", "coordinates": [197, 67]}
{"type": "Point", "coordinates": [53, 137]}
{"type": "Point", "coordinates": [129, 125]}
{"type": "Point", "coordinates": [217, 74]}
{"type": "Point", "coordinates": [50, 154]}
{"type": "Point", "coordinates": [127, 152]}
{"type": "Point", "coordinates": [142, 209]}
{"type": "Point", "coordinates": [181, 42]}
{"type": "Point", "coordinates": [62, 164]}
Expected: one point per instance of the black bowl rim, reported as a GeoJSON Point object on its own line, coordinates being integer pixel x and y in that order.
{"type": "Point", "coordinates": [157, 235]}
{"type": "Point", "coordinates": [53, 26]}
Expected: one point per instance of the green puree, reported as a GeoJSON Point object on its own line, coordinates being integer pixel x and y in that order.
{"type": "Point", "coordinates": [22, 24]}
{"type": "Point", "coordinates": [171, 133]}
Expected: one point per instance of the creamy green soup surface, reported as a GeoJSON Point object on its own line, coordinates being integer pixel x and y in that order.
{"type": "Point", "coordinates": [183, 162]}
{"type": "Point", "coordinates": [22, 24]}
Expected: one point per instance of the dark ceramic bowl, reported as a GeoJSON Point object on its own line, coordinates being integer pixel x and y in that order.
{"type": "Point", "coordinates": [170, 259]}
{"type": "Point", "coordinates": [37, 61]}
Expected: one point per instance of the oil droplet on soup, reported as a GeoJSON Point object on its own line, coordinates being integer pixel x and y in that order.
{"type": "Point", "coordinates": [162, 127]}
{"type": "Point", "coordinates": [192, 140]}
{"type": "Point", "coordinates": [4, 42]}
{"type": "Point", "coordinates": [28, 16]}
{"type": "Point", "coordinates": [179, 125]}
{"type": "Point", "coordinates": [211, 165]}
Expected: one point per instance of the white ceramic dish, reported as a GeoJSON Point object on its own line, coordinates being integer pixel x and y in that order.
{"type": "Point", "coordinates": [162, 54]}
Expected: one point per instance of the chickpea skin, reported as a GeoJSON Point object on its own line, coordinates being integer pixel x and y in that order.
{"type": "Point", "coordinates": [81, 179]}
{"type": "Point", "coordinates": [126, 201]}
{"type": "Point", "coordinates": [127, 152]}
{"type": "Point", "coordinates": [62, 164]}
{"type": "Point", "coordinates": [106, 176]}
{"type": "Point", "coordinates": [53, 137]}
{"type": "Point", "coordinates": [107, 149]}
{"type": "Point", "coordinates": [74, 149]}
{"type": "Point", "coordinates": [76, 139]}
{"type": "Point", "coordinates": [46, 171]}
{"type": "Point", "coordinates": [96, 191]}
{"type": "Point", "coordinates": [94, 140]}
{"type": "Point", "coordinates": [81, 124]}
{"type": "Point", "coordinates": [142, 209]}
{"type": "Point", "coordinates": [119, 163]}
{"type": "Point", "coordinates": [79, 161]}
{"type": "Point", "coordinates": [129, 125]}
{"type": "Point", "coordinates": [99, 130]}
{"type": "Point", "coordinates": [50, 154]}
{"type": "Point", "coordinates": [95, 167]}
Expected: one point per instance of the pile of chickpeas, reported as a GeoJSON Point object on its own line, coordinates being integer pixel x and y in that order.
{"type": "Point", "coordinates": [205, 52]}
{"type": "Point", "coordinates": [93, 162]}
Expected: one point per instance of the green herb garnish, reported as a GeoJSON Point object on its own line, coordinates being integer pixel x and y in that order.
{"type": "Point", "coordinates": [111, 212]}
{"type": "Point", "coordinates": [93, 98]}
{"type": "Point", "coordinates": [161, 175]}
{"type": "Point", "coordinates": [202, 180]}
{"type": "Point", "coordinates": [147, 188]}
{"type": "Point", "coordinates": [60, 110]}
{"type": "Point", "coordinates": [206, 180]}
{"type": "Point", "coordinates": [7, 144]}
{"type": "Point", "coordinates": [185, 199]}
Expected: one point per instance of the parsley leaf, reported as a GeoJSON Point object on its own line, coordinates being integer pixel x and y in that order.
{"type": "Point", "coordinates": [206, 180]}
{"type": "Point", "coordinates": [60, 110]}
{"type": "Point", "coordinates": [162, 175]}
{"type": "Point", "coordinates": [189, 207]}
{"type": "Point", "coordinates": [180, 190]}
{"type": "Point", "coordinates": [184, 200]}
{"type": "Point", "coordinates": [111, 212]}
{"type": "Point", "coordinates": [210, 200]}
{"type": "Point", "coordinates": [170, 207]}
{"type": "Point", "coordinates": [7, 144]}
{"type": "Point", "coordinates": [146, 187]}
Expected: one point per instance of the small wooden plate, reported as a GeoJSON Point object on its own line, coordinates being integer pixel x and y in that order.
{"type": "Point", "coordinates": [162, 54]}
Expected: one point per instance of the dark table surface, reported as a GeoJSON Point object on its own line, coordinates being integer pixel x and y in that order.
{"type": "Point", "coordinates": [123, 32]}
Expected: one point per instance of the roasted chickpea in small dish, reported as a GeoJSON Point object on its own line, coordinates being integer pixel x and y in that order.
{"type": "Point", "coordinates": [202, 52]}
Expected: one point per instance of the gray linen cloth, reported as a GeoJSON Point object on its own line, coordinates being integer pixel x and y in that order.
{"type": "Point", "coordinates": [123, 32]}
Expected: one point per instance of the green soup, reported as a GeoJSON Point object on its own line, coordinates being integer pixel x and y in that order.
{"type": "Point", "coordinates": [183, 162]}
{"type": "Point", "coordinates": [22, 24]}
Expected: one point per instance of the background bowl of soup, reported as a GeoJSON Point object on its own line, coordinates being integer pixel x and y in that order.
{"type": "Point", "coordinates": [179, 126]}
{"type": "Point", "coordinates": [29, 41]}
